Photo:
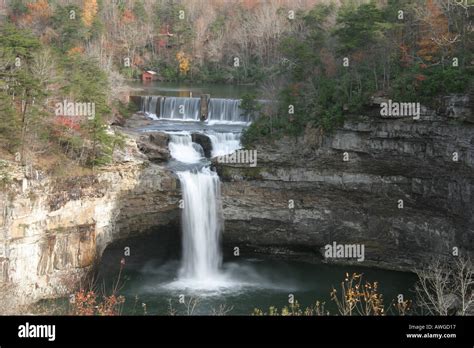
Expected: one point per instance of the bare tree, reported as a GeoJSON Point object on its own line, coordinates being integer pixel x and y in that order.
{"type": "Point", "coordinates": [446, 286]}
{"type": "Point", "coordinates": [464, 279]}
{"type": "Point", "coordinates": [191, 305]}
{"type": "Point", "coordinates": [222, 309]}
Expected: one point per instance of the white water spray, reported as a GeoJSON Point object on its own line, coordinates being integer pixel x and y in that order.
{"type": "Point", "coordinates": [201, 220]}
{"type": "Point", "coordinates": [224, 143]}
{"type": "Point", "coordinates": [183, 149]}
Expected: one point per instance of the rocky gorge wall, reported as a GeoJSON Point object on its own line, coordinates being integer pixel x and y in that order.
{"type": "Point", "coordinates": [428, 164]}
{"type": "Point", "coordinates": [53, 230]}
{"type": "Point", "coordinates": [304, 193]}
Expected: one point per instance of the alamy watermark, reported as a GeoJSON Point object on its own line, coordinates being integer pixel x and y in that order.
{"type": "Point", "coordinates": [75, 109]}
{"type": "Point", "coordinates": [37, 331]}
{"type": "Point", "coordinates": [345, 251]}
{"type": "Point", "coordinates": [240, 157]}
{"type": "Point", "coordinates": [397, 109]}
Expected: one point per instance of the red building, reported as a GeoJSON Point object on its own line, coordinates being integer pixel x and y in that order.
{"type": "Point", "coordinates": [149, 75]}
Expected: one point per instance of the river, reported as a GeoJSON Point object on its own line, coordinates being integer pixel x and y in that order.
{"type": "Point", "coordinates": [184, 89]}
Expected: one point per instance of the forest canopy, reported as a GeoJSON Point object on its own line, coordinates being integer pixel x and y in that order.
{"type": "Point", "coordinates": [319, 60]}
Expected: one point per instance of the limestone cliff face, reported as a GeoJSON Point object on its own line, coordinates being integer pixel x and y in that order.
{"type": "Point", "coordinates": [53, 230]}
{"type": "Point", "coordinates": [428, 164]}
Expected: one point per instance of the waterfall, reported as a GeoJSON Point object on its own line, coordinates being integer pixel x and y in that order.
{"type": "Point", "coordinates": [224, 143]}
{"type": "Point", "coordinates": [148, 106]}
{"type": "Point", "coordinates": [180, 108]}
{"type": "Point", "coordinates": [202, 213]}
{"type": "Point", "coordinates": [201, 223]}
{"type": "Point", "coordinates": [183, 149]}
{"type": "Point", "coordinates": [226, 110]}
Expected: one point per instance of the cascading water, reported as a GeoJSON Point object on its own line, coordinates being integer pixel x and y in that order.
{"type": "Point", "coordinates": [201, 214]}
{"type": "Point", "coordinates": [224, 143]}
{"type": "Point", "coordinates": [201, 225]}
{"type": "Point", "coordinates": [226, 110]}
{"type": "Point", "coordinates": [242, 282]}
{"type": "Point", "coordinates": [183, 149]}
{"type": "Point", "coordinates": [179, 108]}
{"type": "Point", "coordinates": [188, 109]}
{"type": "Point", "coordinates": [201, 217]}
{"type": "Point", "coordinates": [149, 106]}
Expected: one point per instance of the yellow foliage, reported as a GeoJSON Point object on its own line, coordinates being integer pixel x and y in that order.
{"type": "Point", "coordinates": [89, 12]}
{"type": "Point", "coordinates": [355, 299]}
{"type": "Point", "coordinates": [184, 63]}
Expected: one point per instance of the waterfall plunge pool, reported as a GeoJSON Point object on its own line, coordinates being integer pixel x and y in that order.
{"type": "Point", "coordinates": [152, 275]}
{"type": "Point", "coordinates": [191, 272]}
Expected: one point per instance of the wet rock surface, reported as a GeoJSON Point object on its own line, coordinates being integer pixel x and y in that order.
{"type": "Point", "coordinates": [204, 141]}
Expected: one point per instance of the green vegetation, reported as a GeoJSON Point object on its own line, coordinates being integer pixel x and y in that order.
{"type": "Point", "coordinates": [249, 105]}
{"type": "Point", "coordinates": [323, 63]}
{"type": "Point", "coordinates": [125, 110]}
{"type": "Point", "coordinates": [35, 78]}
{"type": "Point", "coordinates": [334, 70]}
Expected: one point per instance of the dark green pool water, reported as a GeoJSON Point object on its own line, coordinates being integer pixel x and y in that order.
{"type": "Point", "coordinates": [245, 283]}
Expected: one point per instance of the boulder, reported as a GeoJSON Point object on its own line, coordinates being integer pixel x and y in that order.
{"type": "Point", "coordinates": [154, 146]}
{"type": "Point", "coordinates": [204, 141]}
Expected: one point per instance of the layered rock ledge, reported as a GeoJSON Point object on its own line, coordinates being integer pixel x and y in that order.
{"type": "Point", "coordinates": [427, 164]}
{"type": "Point", "coordinates": [53, 230]}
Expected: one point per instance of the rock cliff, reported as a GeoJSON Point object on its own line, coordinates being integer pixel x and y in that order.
{"type": "Point", "coordinates": [401, 187]}
{"type": "Point", "coordinates": [53, 230]}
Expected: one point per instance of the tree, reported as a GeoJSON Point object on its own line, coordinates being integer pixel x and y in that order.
{"type": "Point", "coordinates": [139, 11]}
{"type": "Point", "coordinates": [436, 41]}
{"type": "Point", "coordinates": [17, 49]}
{"type": "Point", "coordinates": [358, 28]}
{"type": "Point", "coordinates": [89, 11]}
{"type": "Point", "coordinates": [250, 105]}
{"type": "Point", "coordinates": [88, 84]}
{"type": "Point", "coordinates": [445, 286]}
{"type": "Point", "coordinates": [71, 30]}
{"type": "Point", "coordinates": [9, 125]}
{"type": "Point", "coordinates": [183, 63]}
{"type": "Point", "coordinates": [434, 48]}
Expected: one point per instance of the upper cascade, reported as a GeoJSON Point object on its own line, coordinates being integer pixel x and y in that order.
{"type": "Point", "coordinates": [183, 108]}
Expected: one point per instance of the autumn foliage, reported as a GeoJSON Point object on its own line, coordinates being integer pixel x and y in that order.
{"type": "Point", "coordinates": [354, 298]}
{"type": "Point", "coordinates": [128, 16]}
{"type": "Point", "coordinates": [183, 63]}
{"type": "Point", "coordinates": [87, 303]}
{"type": "Point", "coordinates": [435, 34]}
{"type": "Point", "coordinates": [89, 12]}
{"type": "Point", "coordinates": [39, 9]}
{"type": "Point", "coordinates": [75, 50]}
